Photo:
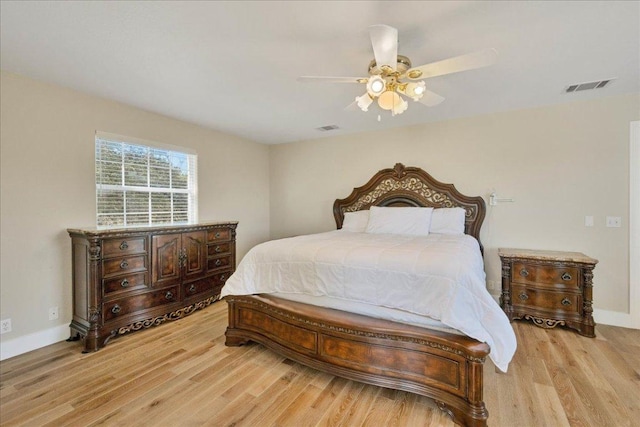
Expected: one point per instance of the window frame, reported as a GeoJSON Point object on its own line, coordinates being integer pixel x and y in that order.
{"type": "Point", "coordinates": [176, 154]}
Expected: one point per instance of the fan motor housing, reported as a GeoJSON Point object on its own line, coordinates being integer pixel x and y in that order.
{"type": "Point", "coordinates": [402, 65]}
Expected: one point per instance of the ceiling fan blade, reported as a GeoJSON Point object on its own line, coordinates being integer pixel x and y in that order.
{"type": "Point", "coordinates": [352, 107]}
{"type": "Point", "coordinates": [384, 40]}
{"type": "Point", "coordinates": [470, 61]}
{"type": "Point", "coordinates": [430, 99]}
{"type": "Point", "coordinates": [321, 79]}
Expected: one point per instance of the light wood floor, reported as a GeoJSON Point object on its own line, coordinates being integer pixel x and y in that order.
{"type": "Point", "coordinates": [181, 374]}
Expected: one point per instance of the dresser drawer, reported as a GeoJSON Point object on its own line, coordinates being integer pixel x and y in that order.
{"type": "Point", "coordinates": [124, 265]}
{"type": "Point", "coordinates": [126, 283]}
{"type": "Point", "coordinates": [218, 262]}
{"type": "Point", "coordinates": [218, 248]}
{"type": "Point", "coordinates": [546, 300]}
{"type": "Point", "coordinates": [215, 282]}
{"type": "Point", "coordinates": [127, 246]}
{"type": "Point", "coordinates": [562, 277]}
{"type": "Point", "coordinates": [218, 235]}
{"type": "Point", "coordinates": [123, 306]}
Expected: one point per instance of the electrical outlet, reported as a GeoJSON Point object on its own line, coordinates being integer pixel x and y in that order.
{"type": "Point", "coordinates": [492, 285]}
{"type": "Point", "coordinates": [614, 221]}
{"type": "Point", "coordinates": [53, 313]}
{"type": "Point", "coordinates": [588, 221]}
{"type": "Point", "coordinates": [5, 326]}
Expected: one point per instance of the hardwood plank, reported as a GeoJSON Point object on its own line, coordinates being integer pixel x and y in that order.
{"type": "Point", "coordinates": [181, 373]}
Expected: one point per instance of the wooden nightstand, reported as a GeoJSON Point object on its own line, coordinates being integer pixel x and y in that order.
{"type": "Point", "coordinates": [549, 288]}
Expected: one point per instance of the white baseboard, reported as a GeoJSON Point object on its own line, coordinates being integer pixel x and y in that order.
{"type": "Point", "coordinates": [614, 318]}
{"type": "Point", "coordinates": [24, 344]}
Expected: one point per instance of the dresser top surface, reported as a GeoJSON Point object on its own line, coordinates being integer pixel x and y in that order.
{"type": "Point", "coordinates": [93, 231]}
{"type": "Point", "coordinates": [542, 255]}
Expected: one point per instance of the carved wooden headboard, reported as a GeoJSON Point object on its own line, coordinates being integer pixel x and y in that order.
{"type": "Point", "coordinates": [411, 186]}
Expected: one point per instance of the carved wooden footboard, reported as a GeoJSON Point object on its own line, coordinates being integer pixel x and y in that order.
{"type": "Point", "coordinates": [439, 365]}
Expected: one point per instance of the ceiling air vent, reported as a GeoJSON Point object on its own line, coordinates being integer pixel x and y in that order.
{"type": "Point", "coordinates": [587, 86]}
{"type": "Point", "coordinates": [327, 128]}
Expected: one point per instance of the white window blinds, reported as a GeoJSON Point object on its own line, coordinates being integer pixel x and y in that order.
{"type": "Point", "coordinates": [138, 184]}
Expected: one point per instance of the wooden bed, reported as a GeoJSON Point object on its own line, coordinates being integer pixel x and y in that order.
{"type": "Point", "coordinates": [443, 366]}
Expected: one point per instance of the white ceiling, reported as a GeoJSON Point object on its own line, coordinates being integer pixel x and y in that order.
{"type": "Point", "coordinates": [232, 66]}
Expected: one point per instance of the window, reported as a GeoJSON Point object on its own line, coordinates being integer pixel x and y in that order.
{"type": "Point", "coordinates": [140, 183]}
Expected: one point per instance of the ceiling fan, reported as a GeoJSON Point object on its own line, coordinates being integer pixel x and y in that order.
{"type": "Point", "coordinates": [392, 75]}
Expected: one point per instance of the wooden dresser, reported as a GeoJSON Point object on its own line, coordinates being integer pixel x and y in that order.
{"type": "Point", "coordinates": [549, 288]}
{"type": "Point", "coordinates": [129, 279]}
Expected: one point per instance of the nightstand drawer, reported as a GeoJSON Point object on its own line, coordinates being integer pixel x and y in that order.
{"type": "Point", "coordinates": [546, 300]}
{"type": "Point", "coordinates": [563, 277]}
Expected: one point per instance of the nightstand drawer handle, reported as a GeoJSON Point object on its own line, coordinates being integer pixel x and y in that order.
{"type": "Point", "coordinates": [168, 295]}
{"type": "Point", "coordinates": [192, 289]}
{"type": "Point", "coordinates": [116, 309]}
{"type": "Point", "coordinates": [523, 296]}
{"type": "Point", "coordinates": [124, 245]}
{"type": "Point", "coordinates": [124, 283]}
{"type": "Point", "coordinates": [524, 272]}
{"type": "Point", "coordinates": [223, 278]}
{"type": "Point", "coordinates": [218, 262]}
{"type": "Point", "coordinates": [566, 276]}
{"type": "Point", "coordinates": [124, 264]}
{"type": "Point", "coordinates": [217, 235]}
{"type": "Point", "coordinates": [218, 249]}
{"type": "Point", "coordinates": [566, 301]}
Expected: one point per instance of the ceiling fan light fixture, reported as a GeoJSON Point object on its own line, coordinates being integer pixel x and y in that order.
{"type": "Point", "coordinates": [364, 101]}
{"type": "Point", "coordinates": [376, 86]}
{"type": "Point", "coordinates": [414, 90]}
{"type": "Point", "coordinates": [400, 107]}
{"type": "Point", "coordinates": [389, 99]}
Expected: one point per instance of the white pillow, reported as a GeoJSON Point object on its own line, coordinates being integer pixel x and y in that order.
{"type": "Point", "coordinates": [447, 221]}
{"type": "Point", "coordinates": [411, 221]}
{"type": "Point", "coordinates": [355, 221]}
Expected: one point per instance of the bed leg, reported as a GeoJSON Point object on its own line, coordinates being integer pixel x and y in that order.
{"type": "Point", "coordinates": [234, 341]}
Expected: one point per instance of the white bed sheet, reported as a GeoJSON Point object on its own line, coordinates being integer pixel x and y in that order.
{"type": "Point", "coordinates": [438, 276]}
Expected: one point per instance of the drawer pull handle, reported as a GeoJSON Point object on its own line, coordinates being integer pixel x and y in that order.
{"type": "Point", "coordinates": [566, 276]}
{"type": "Point", "coordinates": [124, 245]}
{"type": "Point", "coordinates": [218, 263]}
{"type": "Point", "coordinates": [217, 235]}
{"type": "Point", "coordinates": [524, 272]}
{"type": "Point", "coordinates": [124, 264]}
{"type": "Point", "coordinates": [566, 301]}
{"type": "Point", "coordinates": [116, 309]}
{"type": "Point", "coordinates": [124, 283]}
{"type": "Point", "coordinates": [218, 249]}
{"type": "Point", "coordinates": [223, 278]}
{"type": "Point", "coordinates": [168, 295]}
{"type": "Point", "coordinates": [192, 289]}
{"type": "Point", "coordinates": [523, 296]}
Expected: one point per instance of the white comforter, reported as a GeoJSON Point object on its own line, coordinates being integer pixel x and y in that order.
{"type": "Point", "coordinates": [439, 276]}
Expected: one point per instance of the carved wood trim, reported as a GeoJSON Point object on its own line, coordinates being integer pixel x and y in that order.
{"type": "Point", "coordinates": [411, 186]}
{"type": "Point", "coordinates": [174, 315]}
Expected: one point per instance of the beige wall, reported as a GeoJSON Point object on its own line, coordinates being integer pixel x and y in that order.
{"type": "Point", "coordinates": [48, 185]}
{"type": "Point", "coordinates": [559, 163]}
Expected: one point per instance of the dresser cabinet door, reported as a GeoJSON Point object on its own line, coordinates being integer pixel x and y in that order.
{"type": "Point", "coordinates": [194, 248]}
{"type": "Point", "coordinates": [166, 259]}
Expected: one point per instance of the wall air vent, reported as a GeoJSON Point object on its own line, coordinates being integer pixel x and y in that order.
{"type": "Point", "coordinates": [328, 128]}
{"type": "Point", "coordinates": [587, 86]}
